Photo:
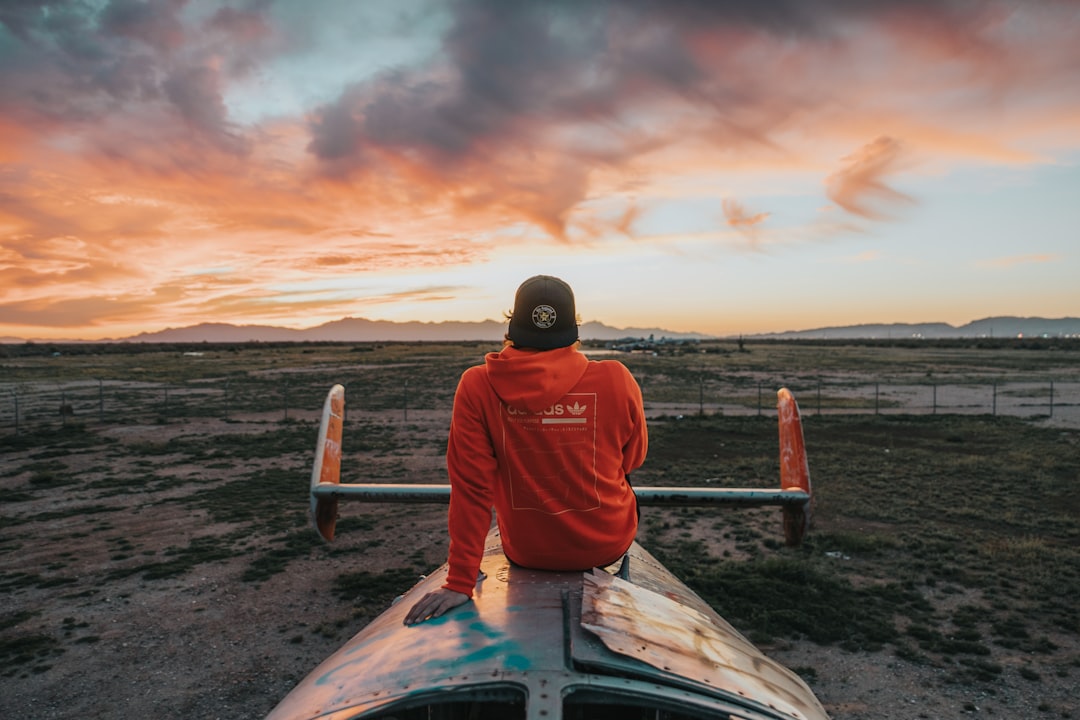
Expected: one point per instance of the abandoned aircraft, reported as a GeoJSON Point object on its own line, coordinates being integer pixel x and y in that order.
{"type": "Point", "coordinates": [630, 641]}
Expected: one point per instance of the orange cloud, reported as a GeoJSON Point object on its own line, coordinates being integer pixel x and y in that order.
{"type": "Point", "coordinates": [125, 167]}
{"type": "Point", "coordinates": [1013, 261]}
{"type": "Point", "coordinates": [859, 187]}
{"type": "Point", "coordinates": [738, 218]}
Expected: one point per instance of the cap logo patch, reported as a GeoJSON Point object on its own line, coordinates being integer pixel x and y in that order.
{"type": "Point", "coordinates": [543, 316]}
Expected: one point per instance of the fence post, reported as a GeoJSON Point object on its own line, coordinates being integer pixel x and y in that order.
{"type": "Point", "coordinates": [15, 395]}
{"type": "Point", "coordinates": [226, 411]}
{"type": "Point", "coordinates": [934, 386]}
{"type": "Point", "coordinates": [701, 395]}
{"type": "Point", "coordinates": [101, 400]}
{"type": "Point", "coordinates": [819, 397]}
{"type": "Point", "coordinates": [877, 393]}
{"type": "Point", "coordinates": [286, 399]}
{"type": "Point", "coordinates": [405, 401]}
{"type": "Point", "coordinates": [1051, 398]}
{"type": "Point", "coordinates": [165, 412]}
{"type": "Point", "coordinates": [63, 409]}
{"type": "Point", "coordinates": [759, 398]}
{"type": "Point", "coordinates": [993, 406]}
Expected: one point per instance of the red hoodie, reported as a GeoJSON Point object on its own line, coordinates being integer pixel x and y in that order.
{"type": "Point", "coordinates": [547, 438]}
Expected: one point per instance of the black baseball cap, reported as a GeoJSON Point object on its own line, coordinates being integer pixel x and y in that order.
{"type": "Point", "coordinates": [544, 317]}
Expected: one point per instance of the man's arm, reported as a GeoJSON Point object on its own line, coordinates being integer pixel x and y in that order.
{"type": "Point", "coordinates": [637, 445]}
{"type": "Point", "coordinates": [471, 463]}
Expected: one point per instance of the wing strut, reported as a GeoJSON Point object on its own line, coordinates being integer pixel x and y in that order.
{"type": "Point", "coordinates": [794, 496]}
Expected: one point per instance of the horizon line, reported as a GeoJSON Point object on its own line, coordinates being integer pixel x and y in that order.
{"type": "Point", "coordinates": [664, 333]}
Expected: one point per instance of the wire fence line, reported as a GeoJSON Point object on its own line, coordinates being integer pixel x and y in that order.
{"type": "Point", "coordinates": [1048, 399]}
{"type": "Point", "coordinates": [38, 404]}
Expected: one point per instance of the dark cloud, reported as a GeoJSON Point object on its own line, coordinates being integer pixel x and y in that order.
{"type": "Point", "coordinates": [74, 46]}
{"type": "Point", "coordinates": [518, 109]}
{"type": "Point", "coordinates": [195, 92]}
{"type": "Point", "coordinates": [20, 17]}
{"type": "Point", "coordinates": [247, 34]}
{"type": "Point", "coordinates": [501, 61]}
{"type": "Point", "coordinates": [240, 25]}
{"type": "Point", "coordinates": [153, 23]}
{"type": "Point", "coordinates": [819, 18]}
{"type": "Point", "coordinates": [476, 125]}
{"type": "Point", "coordinates": [336, 129]}
{"type": "Point", "coordinates": [72, 65]}
{"type": "Point", "coordinates": [565, 87]}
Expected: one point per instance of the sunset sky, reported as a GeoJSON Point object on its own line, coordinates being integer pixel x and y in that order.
{"type": "Point", "coordinates": [721, 167]}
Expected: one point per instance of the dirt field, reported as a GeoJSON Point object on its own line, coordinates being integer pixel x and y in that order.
{"type": "Point", "coordinates": [166, 570]}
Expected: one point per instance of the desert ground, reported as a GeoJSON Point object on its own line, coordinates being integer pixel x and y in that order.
{"type": "Point", "coordinates": [164, 566]}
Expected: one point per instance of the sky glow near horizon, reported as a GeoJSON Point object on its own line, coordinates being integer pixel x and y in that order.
{"type": "Point", "coordinates": [721, 167]}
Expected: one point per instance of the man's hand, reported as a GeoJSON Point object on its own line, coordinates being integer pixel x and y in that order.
{"type": "Point", "coordinates": [435, 604]}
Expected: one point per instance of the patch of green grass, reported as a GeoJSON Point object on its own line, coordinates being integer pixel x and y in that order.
{"type": "Point", "coordinates": [15, 496]}
{"type": "Point", "coordinates": [18, 580]}
{"type": "Point", "coordinates": [357, 524]}
{"type": "Point", "coordinates": [1029, 674]}
{"type": "Point", "coordinates": [53, 442]}
{"type": "Point", "coordinates": [119, 484]}
{"type": "Point", "coordinates": [933, 640]}
{"type": "Point", "coordinates": [373, 592]}
{"type": "Point", "coordinates": [913, 513]}
{"type": "Point", "coordinates": [289, 437]}
{"type": "Point", "coordinates": [50, 479]}
{"type": "Point", "coordinates": [793, 596]}
{"type": "Point", "coordinates": [274, 499]}
{"type": "Point", "coordinates": [22, 654]}
{"type": "Point", "coordinates": [975, 670]}
{"type": "Point", "coordinates": [51, 515]}
{"type": "Point", "coordinates": [275, 560]}
{"type": "Point", "coordinates": [10, 620]}
{"type": "Point", "coordinates": [909, 511]}
{"type": "Point", "coordinates": [856, 543]}
{"type": "Point", "coordinates": [181, 560]}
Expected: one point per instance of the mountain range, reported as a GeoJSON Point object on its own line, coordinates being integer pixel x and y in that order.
{"type": "Point", "coordinates": [364, 330]}
{"type": "Point", "coordinates": [994, 327]}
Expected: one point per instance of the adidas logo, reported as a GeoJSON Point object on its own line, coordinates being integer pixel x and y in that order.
{"type": "Point", "coordinates": [577, 408]}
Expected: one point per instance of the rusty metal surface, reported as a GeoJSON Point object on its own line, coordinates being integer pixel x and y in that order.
{"type": "Point", "coordinates": [647, 495]}
{"type": "Point", "coordinates": [686, 645]}
{"type": "Point", "coordinates": [794, 470]}
{"type": "Point", "coordinates": [522, 632]}
{"type": "Point", "coordinates": [326, 471]}
{"type": "Point", "coordinates": [651, 640]}
{"type": "Point", "coordinates": [503, 637]}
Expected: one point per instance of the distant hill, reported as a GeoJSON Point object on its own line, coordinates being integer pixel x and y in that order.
{"type": "Point", "coordinates": [363, 330]}
{"type": "Point", "coordinates": [997, 327]}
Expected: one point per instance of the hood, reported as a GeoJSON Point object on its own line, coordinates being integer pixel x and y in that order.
{"type": "Point", "coordinates": [534, 380]}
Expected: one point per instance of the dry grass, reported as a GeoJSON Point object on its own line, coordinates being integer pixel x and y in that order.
{"type": "Point", "coordinates": [945, 547]}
